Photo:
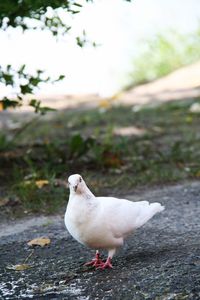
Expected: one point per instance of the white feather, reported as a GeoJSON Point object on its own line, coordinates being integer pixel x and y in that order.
{"type": "Point", "coordinates": [103, 222]}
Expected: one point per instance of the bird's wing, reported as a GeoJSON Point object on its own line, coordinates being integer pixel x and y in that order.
{"type": "Point", "coordinates": [123, 216]}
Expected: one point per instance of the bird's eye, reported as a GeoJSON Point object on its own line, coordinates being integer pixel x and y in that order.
{"type": "Point", "coordinates": [68, 182]}
{"type": "Point", "coordinates": [80, 179]}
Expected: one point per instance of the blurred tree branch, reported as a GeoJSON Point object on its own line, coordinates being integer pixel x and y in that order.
{"type": "Point", "coordinates": [34, 14]}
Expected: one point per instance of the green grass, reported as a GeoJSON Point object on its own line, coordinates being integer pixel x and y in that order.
{"type": "Point", "coordinates": [84, 142]}
{"type": "Point", "coordinates": [163, 54]}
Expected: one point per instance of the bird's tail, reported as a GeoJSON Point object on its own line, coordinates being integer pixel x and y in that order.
{"type": "Point", "coordinates": [148, 212]}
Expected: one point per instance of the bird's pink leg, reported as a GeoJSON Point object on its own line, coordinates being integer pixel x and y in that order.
{"type": "Point", "coordinates": [108, 263]}
{"type": "Point", "coordinates": [105, 265]}
{"type": "Point", "coordinates": [96, 262]}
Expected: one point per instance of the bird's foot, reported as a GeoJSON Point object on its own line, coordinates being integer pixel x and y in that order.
{"type": "Point", "coordinates": [96, 262]}
{"type": "Point", "coordinates": [106, 265]}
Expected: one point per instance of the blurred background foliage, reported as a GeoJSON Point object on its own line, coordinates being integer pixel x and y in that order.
{"type": "Point", "coordinates": [39, 159]}
{"type": "Point", "coordinates": [162, 54]}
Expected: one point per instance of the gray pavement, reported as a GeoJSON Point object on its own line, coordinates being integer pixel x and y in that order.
{"type": "Point", "coordinates": [160, 261]}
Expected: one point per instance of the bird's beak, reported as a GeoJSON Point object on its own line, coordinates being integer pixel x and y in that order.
{"type": "Point", "coordinates": [75, 187]}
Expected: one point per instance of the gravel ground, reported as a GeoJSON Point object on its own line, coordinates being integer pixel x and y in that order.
{"type": "Point", "coordinates": [161, 261]}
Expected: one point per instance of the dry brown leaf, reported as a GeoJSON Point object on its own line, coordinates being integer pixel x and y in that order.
{"type": "Point", "coordinates": [42, 241]}
{"type": "Point", "coordinates": [112, 160]}
{"type": "Point", "coordinates": [21, 267]}
{"type": "Point", "coordinates": [104, 103]}
{"type": "Point", "coordinates": [197, 174]}
{"type": "Point", "coordinates": [4, 201]}
{"type": "Point", "coordinates": [41, 183]}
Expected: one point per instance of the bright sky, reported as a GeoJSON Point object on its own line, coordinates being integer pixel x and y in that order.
{"type": "Point", "coordinates": [116, 25]}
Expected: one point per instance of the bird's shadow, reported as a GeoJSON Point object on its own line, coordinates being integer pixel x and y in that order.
{"type": "Point", "coordinates": [149, 254]}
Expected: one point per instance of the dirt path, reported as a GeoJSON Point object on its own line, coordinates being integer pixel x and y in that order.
{"type": "Point", "coordinates": [181, 84]}
{"type": "Point", "coordinates": [161, 261]}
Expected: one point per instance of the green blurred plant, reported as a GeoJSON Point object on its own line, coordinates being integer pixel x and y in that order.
{"type": "Point", "coordinates": [102, 152]}
{"type": "Point", "coordinates": [5, 143]}
{"type": "Point", "coordinates": [163, 54]}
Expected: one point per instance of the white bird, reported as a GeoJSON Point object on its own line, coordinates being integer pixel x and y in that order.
{"type": "Point", "coordinates": [103, 222]}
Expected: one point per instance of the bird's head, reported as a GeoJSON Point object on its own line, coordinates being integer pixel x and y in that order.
{"type": "Point", "coordinates": [76, 183]}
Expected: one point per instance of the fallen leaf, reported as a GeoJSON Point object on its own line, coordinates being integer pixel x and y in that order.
{"type": "Point", "coordinates": [21, 267]}
{"type": "Point", "coordinates": [112, 160]}
{"type": "Point", "coordinates": [41, 183]}
{"type": "Point", "coordinates": [197, 174]}
{"type": "Point", "coordinates": [42, 241]}
{"type": "Point", "coordinates": [4, 202]}
{"type": "Point", "coordinates": [104, 104]}
{"type": "Point", "coordinates": [18, 153]}
{"type": "Point", "coordinates": [1, 105]}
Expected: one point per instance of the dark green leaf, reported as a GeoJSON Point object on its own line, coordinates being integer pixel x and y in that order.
{"type": "Point", "coordinates": [26, 88]}
{"type": "Point", "coordinates": [7, 103]}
